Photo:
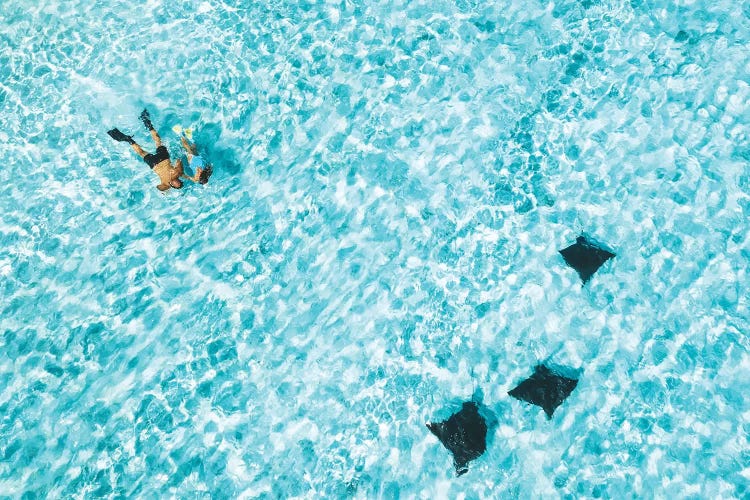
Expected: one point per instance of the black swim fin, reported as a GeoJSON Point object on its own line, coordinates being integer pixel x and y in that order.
{"type": "Point", "coordinates": [120, 137]}
{"type": "Point", "coordinates": [146, 119]}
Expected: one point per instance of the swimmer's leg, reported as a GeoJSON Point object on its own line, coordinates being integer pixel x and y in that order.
{"type": "Point", "coordinates": [146, 119]}
{"type": "Point", "coordinates": [156, 138]}
{"type": "Point", "coordinates": [138, 150]}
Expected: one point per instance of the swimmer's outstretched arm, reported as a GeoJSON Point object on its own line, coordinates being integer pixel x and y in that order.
{"type": "Point", "coordinates": [195, 177]}
{"type": "Point", "coordinates": [188, 147]}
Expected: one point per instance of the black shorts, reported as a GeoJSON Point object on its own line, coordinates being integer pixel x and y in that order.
{"type": "Point", "coordinates": [152, 159]}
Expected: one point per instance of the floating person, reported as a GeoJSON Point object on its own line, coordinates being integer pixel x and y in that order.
{"type": "Point", "coordinates": [544, 388]}
{"type": "Point", "coordinates": [159, 161]}
{"type": "Point", "coordinates": [585, 257]}
{"type": "Point", "coordinates": [464, 434]}
{"type": "Point", "coordinates": [201, 170]}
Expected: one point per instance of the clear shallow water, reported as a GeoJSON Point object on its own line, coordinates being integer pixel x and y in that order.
{"type": "Point", "coordinates": [379, 242]}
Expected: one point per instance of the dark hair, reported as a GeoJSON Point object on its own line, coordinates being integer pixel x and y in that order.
{"type": "Point", "coordinates": [205, 174]}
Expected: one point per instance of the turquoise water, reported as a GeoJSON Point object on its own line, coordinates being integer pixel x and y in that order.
{"type": "Point", "coordinates": [379, 242]}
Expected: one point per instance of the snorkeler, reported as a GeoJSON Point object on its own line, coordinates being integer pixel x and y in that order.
{"type": "Point", "coordinates": [201, 170]}
{"type": "Point", "coordinates": [159, 161]}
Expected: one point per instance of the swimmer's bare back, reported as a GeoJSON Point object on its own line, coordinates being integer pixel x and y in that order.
{"type": "Point", "coordinates": [169, 175]}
